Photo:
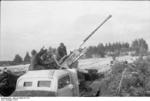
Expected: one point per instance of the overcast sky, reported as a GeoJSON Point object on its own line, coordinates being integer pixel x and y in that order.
{"type": "Point", "coordinates": [27, 25]}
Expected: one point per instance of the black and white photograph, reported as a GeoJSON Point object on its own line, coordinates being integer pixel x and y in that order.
{"type": "Point", "coordinates": [83, 48]}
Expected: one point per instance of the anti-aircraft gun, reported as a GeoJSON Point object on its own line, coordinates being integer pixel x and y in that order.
{"type": "Point", "coordinates": [73, 57]}
{"type": "Point", "coordinates": [84, 76]}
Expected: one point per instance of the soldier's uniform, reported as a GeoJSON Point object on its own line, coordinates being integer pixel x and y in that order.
{"type": "Point", "coordinates": [49, 62]}
{"type": "Point", "coordinates": [37, 61]}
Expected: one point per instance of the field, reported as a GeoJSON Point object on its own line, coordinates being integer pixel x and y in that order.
{"type": "Point", "coordinates": [102, 64]}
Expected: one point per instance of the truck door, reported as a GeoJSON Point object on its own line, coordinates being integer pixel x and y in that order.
{"type": "Point", "coordinates": [65, 87]}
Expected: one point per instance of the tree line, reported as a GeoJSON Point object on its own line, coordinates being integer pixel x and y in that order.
{"type": "Point", "coordinates": [17, 60]}
{"type": "Point", "coordinates": [139, 46]}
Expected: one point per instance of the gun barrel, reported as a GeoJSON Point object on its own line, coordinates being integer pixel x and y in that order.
{"type": "Point", "coordinates": [95, 30]}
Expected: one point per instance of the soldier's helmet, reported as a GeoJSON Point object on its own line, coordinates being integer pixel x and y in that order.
{"type": "Point", "coordinates": [61, 44]}
{"type": "Point", "coordinates": [33, 52]}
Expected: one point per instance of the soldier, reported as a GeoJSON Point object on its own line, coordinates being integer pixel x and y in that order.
{"type": "Point", "coordinates": [61, 51]}
{"type": "Point", "coordinates": [34, 61]}
{"type": "Point", "coordinates": [49, 60]}
{"type": "Point", "coordinates": [40, 58]}
{"type": "Point", "coordinates": [53, 63]}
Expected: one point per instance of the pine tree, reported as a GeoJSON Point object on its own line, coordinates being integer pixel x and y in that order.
{"type": "Point", "coordinates": [17, 59]}
{"type": "Point", "coordinates": [27, 58]}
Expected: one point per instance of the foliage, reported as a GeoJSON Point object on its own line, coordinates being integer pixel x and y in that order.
{"type": "Point", "coordinates": [115, 49]}
{"type": "Point", "coordinates": [101, 49]}
{"type": "Point", "coordinates": [140, 46]}
{"type": "Point", "coordinates": [5, 63]}
{"type": "Point", "coordinates": [17, 59]}
{"type": "Point", "coordinates": [27, 58]}
{"type": "Point", "coordinates": [136, 80]}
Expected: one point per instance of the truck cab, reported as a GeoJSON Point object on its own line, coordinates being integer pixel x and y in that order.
{"type": "Point", "coordinates": [48, 83]}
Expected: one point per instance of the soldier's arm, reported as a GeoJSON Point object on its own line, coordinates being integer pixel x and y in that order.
{"type": "Point", "coordinates": [56, 61]}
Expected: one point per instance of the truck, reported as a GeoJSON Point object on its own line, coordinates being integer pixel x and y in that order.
{"type": "Point", "coordinates": [68, 80]}
{"type": "Point", "coordinates": [65, 82]}
{"type": "Point", "coordinates": [48, 83]}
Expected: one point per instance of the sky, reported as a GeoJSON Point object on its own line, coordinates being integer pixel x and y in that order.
{"type": "Point", "coordinates": [27, 25]}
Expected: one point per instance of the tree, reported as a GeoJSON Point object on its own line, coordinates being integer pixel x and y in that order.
{"type": "Point", "coordinates": [17, 59]}
{"type": "Point", "coordinates": [27, 58]}
{"type": "Point", "coordinates": [89, 52]}
{"type": "Point", "coordinates": [101, 50]}
{"type": "Point", "coordinates": [139, 46]}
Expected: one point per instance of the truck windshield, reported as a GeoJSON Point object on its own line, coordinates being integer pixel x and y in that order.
{"type": "Point", "coordinates": [44, 83]}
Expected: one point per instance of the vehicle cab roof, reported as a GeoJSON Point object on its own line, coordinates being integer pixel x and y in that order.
{"type": "Point", "coordinates": [45, 74]}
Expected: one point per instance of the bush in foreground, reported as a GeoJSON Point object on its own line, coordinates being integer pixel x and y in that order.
{"type": "Point", "coordinates": [134, 82]}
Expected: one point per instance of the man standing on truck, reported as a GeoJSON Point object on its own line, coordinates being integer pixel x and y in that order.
{"type": "Point", "coordinates": [49, 60]}
{"type": "Point", "coordinates": [61, 51]}
{"type": "Point", "coordinates": [36, 60]}
{"type": "Point", "coordinates": [33, 60]}
{"type": "Point", "coordinates": [45, 59]}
